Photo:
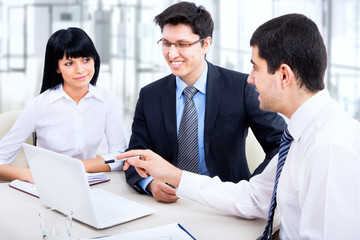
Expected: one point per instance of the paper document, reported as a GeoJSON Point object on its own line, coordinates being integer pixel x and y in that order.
{"type": "Point", "coordinates": [167, 232]}
{"type": "Point", "coordinates": [29, 188]}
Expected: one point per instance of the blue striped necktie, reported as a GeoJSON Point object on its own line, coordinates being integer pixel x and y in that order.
{"type": "Point", "coordinates": [188, 134]}
{"type": "Point", "coordinates": [284, 149]}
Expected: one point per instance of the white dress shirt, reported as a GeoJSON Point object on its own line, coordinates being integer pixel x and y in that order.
{"type": "Point", "coordinates": [63, 126]}
{"type": "Point", "coordinates": [319, 188]}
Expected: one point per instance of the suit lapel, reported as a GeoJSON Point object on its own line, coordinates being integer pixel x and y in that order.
{"type": "Point", "coordinates": [214, 88]}
{"type": "Point", "coordinates": [168, 104]}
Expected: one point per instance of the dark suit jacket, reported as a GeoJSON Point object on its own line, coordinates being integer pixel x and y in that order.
{"type": "Point", "coordinates": [231, 107]}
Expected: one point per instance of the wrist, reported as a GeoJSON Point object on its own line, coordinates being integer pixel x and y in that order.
{"type": "Point", "coordinates": [148, 187]}
{"type": "Point", "coordinates": [175, 177]}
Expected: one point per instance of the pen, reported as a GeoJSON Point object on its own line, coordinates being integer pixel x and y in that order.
{"type": "Point", "coordinates": [170, 185]}
{"type": "Point", "coordinates": [119, 160]}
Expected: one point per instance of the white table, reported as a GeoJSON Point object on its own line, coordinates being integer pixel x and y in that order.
{"type": "Point", "coordinates": [19, 216]}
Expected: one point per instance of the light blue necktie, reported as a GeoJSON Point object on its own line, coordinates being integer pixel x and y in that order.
{"type": "Point", "coordinates": [284, 149]}
{"type": "Point", "coordinates": [188, 152]}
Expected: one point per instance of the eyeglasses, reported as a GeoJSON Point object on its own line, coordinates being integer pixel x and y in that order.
{"type": "Point", "coordinates": [179, 45]}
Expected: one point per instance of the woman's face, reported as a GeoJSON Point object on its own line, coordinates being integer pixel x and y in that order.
{"type": "Point", "coordinates": [76, 72]}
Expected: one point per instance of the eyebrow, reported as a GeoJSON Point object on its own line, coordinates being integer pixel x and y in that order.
{"type": "Point", "coordinates": [180, 40]}
{"type": "Point", "coordinates": [71, 59]}
{"type": "Point", "coordinates": [252, 62]}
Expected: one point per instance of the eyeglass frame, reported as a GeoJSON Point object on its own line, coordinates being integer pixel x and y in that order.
{"type": "Point", "coordinates": [177, 45]}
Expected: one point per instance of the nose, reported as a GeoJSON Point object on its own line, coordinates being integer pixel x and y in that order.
{"type": "Point", "coordinates": [251, 79]}
{"type": "Point", "coordinates": [79, 68]}
{"type": "Point", "coordinates": [173, 52]}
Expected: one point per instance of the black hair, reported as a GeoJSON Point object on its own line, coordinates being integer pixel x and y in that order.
{"type": "Point", "coordinates": [187, 13]}
{"type": "Point", "coordinates": [72, 42]}
{"type": "Point", "coordinates": [295, 40]}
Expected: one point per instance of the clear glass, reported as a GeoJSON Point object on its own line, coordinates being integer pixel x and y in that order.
{"type": "Point", "coordinates": [55, 225]}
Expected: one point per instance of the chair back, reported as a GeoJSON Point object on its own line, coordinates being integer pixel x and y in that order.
{"type": "Point", "coordinates": [254, 152]}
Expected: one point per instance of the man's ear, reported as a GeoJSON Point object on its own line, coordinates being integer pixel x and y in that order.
{"type": "Point", "coordinates": [286, 75]}
{"type": "Point", "coordinates": [207, 43]}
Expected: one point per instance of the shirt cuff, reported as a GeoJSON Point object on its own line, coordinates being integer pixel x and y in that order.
{"type": "Point", "coordinates": [189, 186]}
{"type": "Point", "coordinates": [143, 183]}
{"type": "Point", "coordinates": [116, 165]}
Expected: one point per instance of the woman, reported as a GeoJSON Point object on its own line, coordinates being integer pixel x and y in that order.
{"type": "Point", "coordinates": [71, 115]}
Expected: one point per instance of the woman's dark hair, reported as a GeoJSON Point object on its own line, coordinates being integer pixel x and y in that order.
{"type": "Point", "coordinates": [295, 40]}
{"type": "Point", "coordinates": [187, 13]}
{"type": "Point", "coordinates": [72, 42]}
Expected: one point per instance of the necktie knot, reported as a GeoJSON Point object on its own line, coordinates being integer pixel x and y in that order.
{"type": "Point", "coordinates": [189, 92]}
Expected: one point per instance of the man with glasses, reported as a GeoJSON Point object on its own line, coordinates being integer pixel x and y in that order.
{"type": "Point", "coordinates": [205, 132]}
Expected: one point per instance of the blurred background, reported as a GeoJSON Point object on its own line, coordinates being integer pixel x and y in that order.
{"type": "Point", "coordinates": [125, 36]}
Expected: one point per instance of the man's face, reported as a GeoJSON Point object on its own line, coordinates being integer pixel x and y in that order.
{"type": "Point", "coordinates": [186, 63]}
{"type": "Point", "coordinates": [265, 83]}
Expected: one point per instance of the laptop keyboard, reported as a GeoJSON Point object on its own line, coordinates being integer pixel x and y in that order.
{"type": "Point", "coordinates": [107, 206]}
{"type": "Point", "coordinates": [112, 209]}
{"type": "Point", "coordinates": [106, 213]}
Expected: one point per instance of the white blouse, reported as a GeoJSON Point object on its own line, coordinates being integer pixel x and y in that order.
{"type": "Point", "coordinates": [63, 126]}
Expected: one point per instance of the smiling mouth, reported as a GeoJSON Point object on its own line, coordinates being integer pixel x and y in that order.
{"type": "Point", "coordinates": [177, 63]}
{"type": "Point", "coordinates": [81, 78]}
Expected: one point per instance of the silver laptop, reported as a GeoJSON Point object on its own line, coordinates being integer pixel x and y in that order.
{"type": "Point", "coordinates": [62, 184]}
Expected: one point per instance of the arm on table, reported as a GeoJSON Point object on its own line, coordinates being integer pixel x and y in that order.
{"type": "Point", "coordinates": [9, 173]}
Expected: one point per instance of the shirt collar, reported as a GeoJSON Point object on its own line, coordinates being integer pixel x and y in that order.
{"type": "Point", "coordinates": [95, 92]}
{"type": "Point", "coordinates": [200, 84]}
{"type": "Point", "coordinates": [58, 92]}
{"type": "Point", "coordinates": [307, 112]}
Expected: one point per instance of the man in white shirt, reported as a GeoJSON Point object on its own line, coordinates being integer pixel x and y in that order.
{"type": "Point", "coordinates": [318, 193]}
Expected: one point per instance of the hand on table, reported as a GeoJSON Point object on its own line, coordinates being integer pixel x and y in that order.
{"type": "Point", "coordinates": [162, 192]}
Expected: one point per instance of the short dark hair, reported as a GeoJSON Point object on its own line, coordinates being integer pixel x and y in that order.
{"type": "Point", "coordinates": [72, 42]}
{"type": "Point", "coordinates": [295, 40]}
{"type": "Point", "coordinates": [187, 13]}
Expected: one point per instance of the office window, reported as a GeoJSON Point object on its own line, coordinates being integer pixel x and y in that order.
{"type": "Point", "coordinates": [344, 54]}
{"type": "Point", "coordinates": [125, 36]}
